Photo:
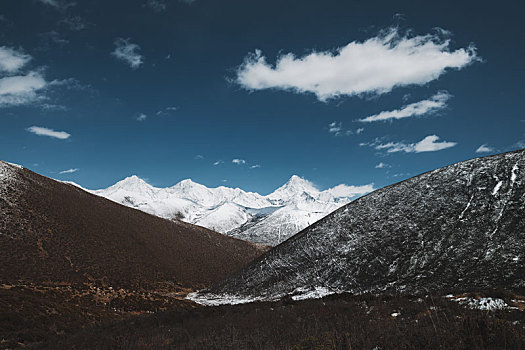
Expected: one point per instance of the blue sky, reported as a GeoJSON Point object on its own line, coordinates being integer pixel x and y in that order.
{"type": "Point", "coordinates": [352, 92]}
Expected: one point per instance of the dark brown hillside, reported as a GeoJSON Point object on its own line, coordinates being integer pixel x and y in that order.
{"type": "Point", "coordinates": [56, 232]}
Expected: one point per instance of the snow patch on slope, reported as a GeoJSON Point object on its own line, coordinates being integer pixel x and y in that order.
{"type": "Point", "coordinates": [223, 299]}
{"type": "Point", "coordinates": [480, 303]}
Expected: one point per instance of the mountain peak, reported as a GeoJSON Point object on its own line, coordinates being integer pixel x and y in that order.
{"type": "Point", "coordinates": [294, 187]}
{"type": "Point", "coordinates": [296, 178]}
{"type": "Point", "coordinates": [298, 182]}
{"type": "Point", "coordinates": [187, 182]}
{"type": "Point", "coordinates": [132, 183]}
{"type": "Point", "coordinates": [133, 179]}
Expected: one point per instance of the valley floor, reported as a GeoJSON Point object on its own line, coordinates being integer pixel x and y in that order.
{"type": "Point", "coordinates": [31, 314]}
{"type": "Point", "coordinates": [335, 322]}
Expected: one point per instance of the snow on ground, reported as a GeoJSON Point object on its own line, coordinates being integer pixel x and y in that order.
{"type": "Point", "coordinates": [10, 190]}
{"type": "Point", "coordinates": [224, 299]}
{"type": "Point", "coordinates": [480, 303]}
{"type": "Point", "coordinates": [496, 188]}
{"type": "Point", "coordinates": [316, 293]}
{"type": "Point", "coordinates": [8, 173]}
{"type": "Point", "coordinates": [208, 299]}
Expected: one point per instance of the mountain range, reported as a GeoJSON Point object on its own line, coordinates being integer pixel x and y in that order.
{"type": "Point", "coordinates": [460, 228]}
{"type": "Point", "coordinates": [80, 271]}
{"type": "Point", "coordinates": [250, 216]}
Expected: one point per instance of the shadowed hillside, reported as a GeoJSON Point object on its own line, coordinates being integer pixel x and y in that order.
{"type": "Point", "coordinates": [67, 256]}
{"type": "Point", "coordinates": [51, 231]}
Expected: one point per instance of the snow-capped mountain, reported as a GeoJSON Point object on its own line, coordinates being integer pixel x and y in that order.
{"type": "Point", "coordinates": [268, 219]}
{"type": "Point", "coordinates": [459, 228]}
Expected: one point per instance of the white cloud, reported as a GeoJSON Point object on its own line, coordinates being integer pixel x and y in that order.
{"type": "Point", "coordinates": [24, 87]}
{"type": "Point", "coordinates": [350, 191]}
{"type": "Point", "coordinates": [69, 171]}
{"type": "Point", "coordinates": [432, 105]}
{"type": "Point", "coordinates": [256, 166]}
{"type": "Point", "coordinates": [484, 149]}
{"type": "Point", "coordinates": [374, 66]}
{"type": "Point", "coordinates": [128, 52]}
{"type": "Point", "coordinates": [21, 89]}
{"type": "Point", "coordinates": [141, 117]}
{"type": "Point", "coordinates": [428, 144]}
{"type": "Point", "coordinates": [238, 161]}
{"type": "Point", "coordinates": [359, 131]}
{"type": "Point", "coordinates": [382, 165]}
{"type": "Point", "coordinates": [199, 156]}
{"type": "Point", "coordinates": [218, 162]}
{"type": "Point", "coordinates": [41, 131]}
{"type": "Point", "coordinates": [11, 60]}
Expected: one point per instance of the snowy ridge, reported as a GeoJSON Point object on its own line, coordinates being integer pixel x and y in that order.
{"type": "Point", "coordinates": [268, 219]}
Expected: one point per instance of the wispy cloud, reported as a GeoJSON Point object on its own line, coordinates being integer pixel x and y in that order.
{"type": "Point", "coordinates": [429, 106]}
{"type": "Point", "coordinates": [199, 156]}
{"type": "Point", "coordinates": [374, 66]}
{"type": "Point", "coordinates": [167, 111]}
{"type": "Point", "coordinates": [238, 161]}
{"type": "Point", "coordinates": [428, 144]}
{"type": "Point", "coordinates": [382, 165]}
{"type": "Point", "coordinates": [69, 171]}
{"type": "Point", "coordinates": [350, 191]}
{"type": "Point", "coordinates": [256, 166]}
{"type": "Point", "coordinates": [51, 38]}
{"type": "Point", "coordinates": [336, 129]}
{"type": "Point", "coordinates": [11, 60]}
{"type": "Point", "coordinates": [53, 3]}
{"type": "Point", "coordinates": [128, 52]}
{"type": "Point", "coordinates": [218, 162]}
{"type": "Point", "coordinates": [156, 5]}
{"type": "Point", "coordinates": [141, 117]}
{"type": "Point", "coordinates": [59, 4]}
{"type": "Point", "coordinates": [41, 131]}
{"type": "Point", "coordinates": [484, 149]}
{"type": "Point", "coordinates": [75, 23]}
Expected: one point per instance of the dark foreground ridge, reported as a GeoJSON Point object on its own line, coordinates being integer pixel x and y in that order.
{"type": "Point", "coordinates": [458, 228]}
{"type": "Point", "coordinates": [68, 258]}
